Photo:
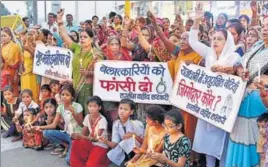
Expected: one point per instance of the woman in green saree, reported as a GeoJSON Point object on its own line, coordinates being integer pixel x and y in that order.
{"type": "Point", "coordinates": [83, 61]}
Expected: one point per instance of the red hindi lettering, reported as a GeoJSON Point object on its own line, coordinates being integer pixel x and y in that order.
{"type": "Point", "coordinates": [207, 99]}
{"type": "Point", "coordinates": [145, 86]}
{"type": "Point", "coordinates": [109, 85]}
{"type": "Point", "coordinates": [188, 91]}
{"type": "Point", "coordinates": [129, 84]}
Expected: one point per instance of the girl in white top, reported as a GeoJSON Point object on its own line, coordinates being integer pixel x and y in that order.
{"type": "Point", "coordinates": [209, 139]}
{"type": "Point", "coordinates": [87, 150]}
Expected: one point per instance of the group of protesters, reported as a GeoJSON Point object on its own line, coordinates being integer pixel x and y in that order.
{"type": "Point", "coordinates": [65, 117]}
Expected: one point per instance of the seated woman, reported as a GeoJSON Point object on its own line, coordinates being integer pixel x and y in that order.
{"type": "Point", "coordinates": [153, 140]}
{"type": "Point", "coordinates": [177, 147]}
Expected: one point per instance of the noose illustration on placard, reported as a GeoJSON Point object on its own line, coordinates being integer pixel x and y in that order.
{"type": "Point", "coordinates": [161, 86]}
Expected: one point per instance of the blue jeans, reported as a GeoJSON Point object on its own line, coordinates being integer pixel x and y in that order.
{"type": "Point", "coordinates": [58, 136]}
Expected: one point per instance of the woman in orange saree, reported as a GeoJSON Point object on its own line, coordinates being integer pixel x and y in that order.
{"type": "Point", "coordinates": [11, 54]}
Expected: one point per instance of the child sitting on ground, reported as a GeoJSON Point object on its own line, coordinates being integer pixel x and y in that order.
{"type": "Point", "coordinates": [55, 90]}
{"type": "Point", "coordinates": [127, 133]}
{"type": "Point", "coordinates": [31, 138]}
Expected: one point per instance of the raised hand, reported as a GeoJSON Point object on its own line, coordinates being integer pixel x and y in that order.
{"type": "Point", "coordinates": [199, 11]}
{"type": "Point", "coordinates": [151, 17]}
{"type": "Point", "coordinates": [60, 15]}
{"type": "Point", "coordinates": [253, 6]}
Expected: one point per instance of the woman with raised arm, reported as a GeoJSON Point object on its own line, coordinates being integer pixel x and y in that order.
{"type": "Point", "coordinates": [209, 139]}
{"type": "Point", "coordinates": [83, 62]}
{"type": "Point", "coordinates": [242, 146]}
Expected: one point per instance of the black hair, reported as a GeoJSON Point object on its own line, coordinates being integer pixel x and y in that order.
{"type": "Point", "coordinates": [245, 17]}
{"type": "Point", "coordinates": [69, 88]}
{"type": "Point", "coordinates": [45, 32]}
{"type": "Point", "coordinates": [263, 117]}
{"type": "Point", "coordinates": [45, 87]}
{"type": "Point", "coordinates": [53, 81]}
{"type": "Point", "coordinates": [148, 21]}
{"type": "Point", "coordinates": [176, 117]}
{"type": "Point", "coordinates": [98, 101]}
{"type": "Point", "coordinates": [89, 32]}
{"type": "Point", "coordinates": [111, 14]}
{"type": "Point", "coordinates": [93, 17]}
{"type": "Point", "coordinates": [166, 19]}
{"type": "Point", "coordinates": [69, 15]}
{"type": "Point", "coordinates": [28, 91]}
{"type": "Point", "coordinates": [8, 88]}
{"type": "Point", "coordinates": [190, 21]}
{"type": "Point", "coordinates": [77, 34]}
{"type": "Point", "coordinates": [155, 113]}
{"type": "Point", "coordinates": [120, 18]}
{"type": "Point", "coordinates": [224, 31]}
{"type": "Point", "coordinates": [210, 16]}
{"type": "Point", "coordinates": [25, 18]}
{"type": "Point", "coordinates": [51, 101]}
{"type": "Point", "coordinates": [34, 111]}
{"type": "Point", "coordinates": [132, 106]}
{"type": "Point", "coordinates": [238, 27]}
{"type": "Point", "coordinates": [88, 21]}
{"type": "Point", "coordinates": [234, 21]}
{"type": "Point", "coordinates": [51, 14]}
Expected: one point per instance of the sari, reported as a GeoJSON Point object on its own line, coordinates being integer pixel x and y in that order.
{"type": "Point", "coordinates": [83, 89]}
{"type": "Point", "coordinates": [11, 54]}
{"type": "Point", "coordinates": [125, 56]}
{"type": "Point", "coordinates": [242, 146]}
{"type": "Point", "coordinates": [28, 79]}
{"type": "Point", "coordinates": [160, 51]}
{"type": "Point", "coordinates": [190, 121]}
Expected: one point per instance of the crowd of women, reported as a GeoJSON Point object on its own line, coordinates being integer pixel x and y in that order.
{"type": "Point", "coordinates": [65, 117]}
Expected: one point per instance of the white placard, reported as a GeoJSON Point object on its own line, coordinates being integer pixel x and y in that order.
{"type": "Point", "coordinates": [213, 97]}
{"type": "Point", "coordinates": [143, 82]}
{"type": "Point", "coordinates": [53, 62]}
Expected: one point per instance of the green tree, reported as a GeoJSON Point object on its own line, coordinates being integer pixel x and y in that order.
{"type": "Point", "coordinates": [4, 10]}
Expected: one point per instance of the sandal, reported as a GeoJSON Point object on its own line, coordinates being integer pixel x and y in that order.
{"type": "Point", "coordinates": [55, 152]}
{"type": "Point", "coordinates": [63, 154]}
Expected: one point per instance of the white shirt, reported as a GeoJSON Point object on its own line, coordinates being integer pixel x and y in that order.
{"type": "Point", "coordinates": [102, 124]}
{"type": "Point", "coordinates": [23, 107]}
{"type": "Point", "coordinates": [46, 26]}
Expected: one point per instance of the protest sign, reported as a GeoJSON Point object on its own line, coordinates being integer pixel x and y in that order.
{"type": "Point", "coordinates": [53, 62]}
{"type": "Point", "coordinates": [213, 97]}
{"type": "Point", "coordinates": [143, 82]}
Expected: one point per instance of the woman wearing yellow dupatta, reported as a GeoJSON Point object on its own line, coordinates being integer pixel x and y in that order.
{"type": "Point", "coordinates": [83, 61]}
{"type": "Point", "coordinates": [28, 79]}
{"type": "Point", "coordinates": [187, 54]}
{"type": "Point", "coordinates": [11, 54]}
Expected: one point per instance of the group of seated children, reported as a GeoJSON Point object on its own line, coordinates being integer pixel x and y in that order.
{"type": "Point", "coordinates": [58, 123]}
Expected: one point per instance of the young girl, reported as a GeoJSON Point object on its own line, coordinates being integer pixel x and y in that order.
{"type": "Point", "coordinates": [177, 147]}
{"type": "Point", "coordinates": [27, 102]}
{"type": "Point", "coordinates": [55, 89]}
{"type": "Point", "coordinates": [125, 130]}
{"type": "Point", "coordinates": [32, 138]}
{"type": "Point", "coordinates": [236, 30]}
{"type": "Point", "coordinates": [50, 106]}
{"type": "Point", "coordinates": [262, 144]}
{"type": "Point", "coordinates": [86, 144]}
{"type": "Point", "coordinates": [153, 140]}
{"type": "Point", "coordinates": [72, 114]}
{"type": "Point", "coordinates": [10, 105]}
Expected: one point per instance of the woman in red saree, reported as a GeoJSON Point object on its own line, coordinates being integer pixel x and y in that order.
{"type": "Point", "coordinates": [114, 51]}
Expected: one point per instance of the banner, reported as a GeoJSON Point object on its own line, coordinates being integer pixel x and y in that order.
{"type": "Point", "coordinates": [143, 82]}
{"type": "Point", "coordinates": [53, 62]}
{"type": "Point", "coordinates": [213, 97]}
{"type": "Point", "coordinates": [13, 22]}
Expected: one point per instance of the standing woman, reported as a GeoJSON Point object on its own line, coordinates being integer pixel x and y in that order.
{"type": "Point", "coordinates": [209, 139]}
{"type": "Point", "coordinates": [242, 146]}
{"type": "Point", "coordinates": [11, 54]}
{"type": "Point", "coordinates": [83, 61]}
{"type": "Point", "coordinates": [28, 79]}
{"type": "Point", "coordinates": [221, 21]}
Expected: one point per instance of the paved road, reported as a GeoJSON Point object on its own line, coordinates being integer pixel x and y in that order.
{"type": "Point", "coordinates": [14, 155]}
